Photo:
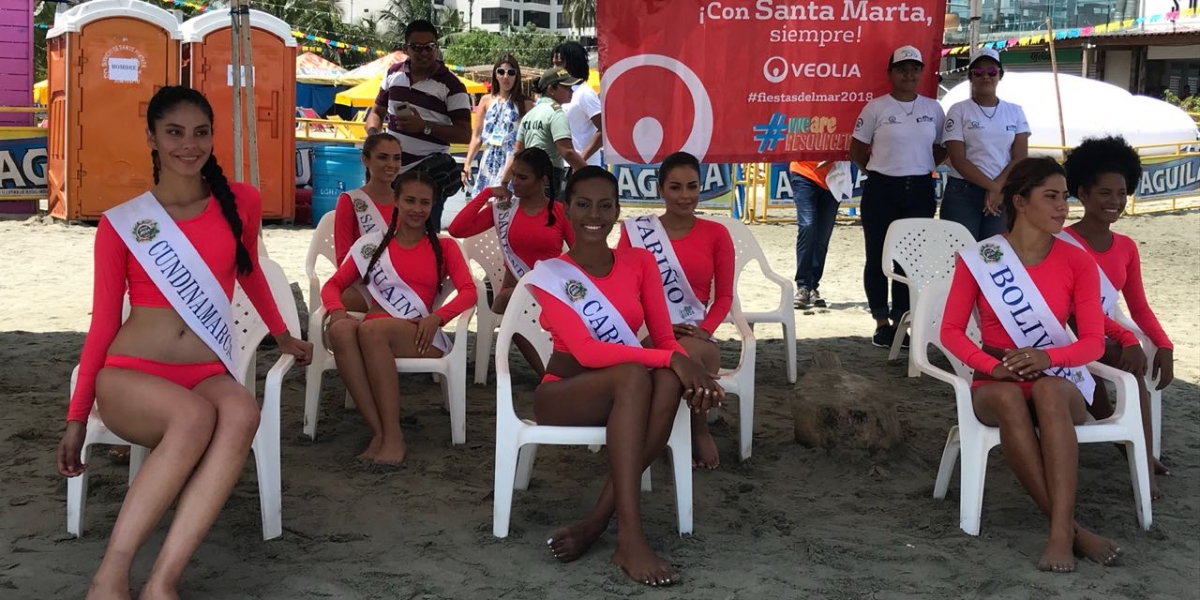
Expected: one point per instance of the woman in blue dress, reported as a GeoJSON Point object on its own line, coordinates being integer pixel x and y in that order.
{"type": "Point", "coordinates": [495, 129]}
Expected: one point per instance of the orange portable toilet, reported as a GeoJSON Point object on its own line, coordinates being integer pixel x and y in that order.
{"type": "Point", "coordinates": [106, 59]}
{"type": "Point", "coordinates": [207, 42]}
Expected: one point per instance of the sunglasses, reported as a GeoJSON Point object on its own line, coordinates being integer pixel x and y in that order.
{"type": "Point", "coordinates": [506, 72]}
{"type": "Point", "coordinates": [430, 47]}
{"type": "Point", "coordinates": [990, 71]}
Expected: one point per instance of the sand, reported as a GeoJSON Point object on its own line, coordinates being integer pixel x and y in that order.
{"type": "Point", "coordinates": [789, 523]}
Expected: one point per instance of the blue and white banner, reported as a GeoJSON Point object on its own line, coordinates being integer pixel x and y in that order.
{"type": "Point", "coordinates": [1174, 177]}
{"type": "Point", "coordinates": [638, 184]}
{"type": "Point", "coordinates": [23, 168]}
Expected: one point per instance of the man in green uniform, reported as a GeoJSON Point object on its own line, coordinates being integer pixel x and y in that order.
{"type": "Point", "coordinates": [545, 125]}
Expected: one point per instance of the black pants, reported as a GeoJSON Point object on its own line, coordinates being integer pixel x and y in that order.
{"type": "Point", "coordinates": [886, 199]}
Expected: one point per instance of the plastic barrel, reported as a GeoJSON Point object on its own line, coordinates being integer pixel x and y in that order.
{"type": "Point", "coordinates": [335, 169]}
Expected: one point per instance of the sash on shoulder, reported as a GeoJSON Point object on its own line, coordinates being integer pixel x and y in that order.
{"type": "Point", "coordinates": [179, 272]}
{"type": "Point", "coordinates": [566, 282]}
{"type": "Point", "coordinates": [647, 232]}
{"type": "Point", "coordinates": [388, 289]}
{"type": "Point", "coordinates": [503, 219]}
{"type": "Point", "coordinates": [1019, 305]}
{"type": "Point", "coordinates": [1108, 292]}
{"type": "Point", "coordinates": [366, 214]}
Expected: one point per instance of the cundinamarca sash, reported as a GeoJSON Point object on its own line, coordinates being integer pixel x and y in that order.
{"type": "Point", "coordinates": [366, 214]}
{"type": "Point", "coordinates": [683, 305]}
{"type": "Point", "coordinates": [566, 282]}
{"type": "Point", "coordinates": [1108, 292]}
{"type": "Point", "coordinates": [179, 272]}
{"type": "Point", "coordinates": [1019, 305]}
{"type": "Point", "coordinates": [503, 219]}
{"type": "Point", "coordinates": [389, 289]}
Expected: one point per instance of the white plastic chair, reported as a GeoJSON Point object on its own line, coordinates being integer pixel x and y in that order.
{"type": "Point", "coordinates": [925, 249]}
{"type": "Point", "coordinates": [747, 249]}
{"type": "Point", "coordinates": [484, 250]}
{"type": "Point", "coordinates": [740, 380]}
{"type": "Point", "coordinates": [450, 370]}
{"type": "Point", "coordinates": [267, 462]}
{"type": "Point", "coordinates": [974, 439]}
{"type": "Point", "coordinates": [517, 439]}
{"type": "Point", "coordinates": [1151, 381]}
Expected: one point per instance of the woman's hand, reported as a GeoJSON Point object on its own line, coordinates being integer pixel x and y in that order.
{"type": "Point", "coordinates": [1026, 363]}
{"type": "Point", "coordinates": [683, 330]}
{"type": "Point", "coordinates": [700, 389]}
{"type": "Point", "coordinates": [993, 200]}
{"type": "Point", "coordinates": [301, 349]}
{"type": "Point", "coordinates": [501, 196]}
{"type": "Point", "coordinates": [1164, 367]}
{"type": "Point", "coordinates": [338, 315]}
{"type": "Point", "coordinates": [427, 327]}
{"type": "Point", "coordinates": [466, 175]}
{"type": "Point", "coordinates": [1001, 373]}
{"type": "Point", "coordinates": [69, 448]}
{"type": "Point", "coordinates": [1133, 360]}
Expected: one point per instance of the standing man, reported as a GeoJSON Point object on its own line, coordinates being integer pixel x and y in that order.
{"type": "Point", "coordinates": [583, 110]}
{"type": "Point", "coordinates": [545, 125]}
{"type": "Point", "coordinates": [427, 109]}
{"type": "Point", "coordinates": [816, 212]}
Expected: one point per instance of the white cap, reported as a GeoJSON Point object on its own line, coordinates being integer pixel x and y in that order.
{"type": "Point", "coordinates": [984, 53]}
{"type": "Point", "coordinates": [904, 53]}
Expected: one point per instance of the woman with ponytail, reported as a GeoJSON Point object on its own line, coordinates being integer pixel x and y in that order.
{"type": "Point", "coordinates": [362, 211]}
{"type": "Point", "coordinates": [403, 269]}
{"type": "Point", "coordinates": [530, 229]}
{"type": "Point", "coordinates": [162, 378]}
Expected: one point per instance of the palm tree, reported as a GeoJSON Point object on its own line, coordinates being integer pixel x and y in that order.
{"type": "Point", "coordinates": [580, 14]}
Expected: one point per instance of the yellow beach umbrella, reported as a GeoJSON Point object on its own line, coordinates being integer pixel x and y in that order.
{"type": "Point", "coordinates": [41, 92]}
{"type": "Point", "coordinates": [363, 94]}
{"type": "Point", "coordinates": [594, 80]}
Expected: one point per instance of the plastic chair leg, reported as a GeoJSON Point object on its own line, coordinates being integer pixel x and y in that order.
{"type": "Point", "coordinates": [348, 401]}
{"type": "Point", "coordinates": [680, 444]}
{"type": "Point", "coordinates": [483, 345]}
{"type": "Point", "coordinates": [270, 485]}
{"type": "Point", "coordinates": [502, 494]}
{"type": "Point", "coordinates": [77, 497]}
{"type": "Point", "coordinates": [901, 329]}
{"type": "Point", "coordinates": [647, 482]}
{"type": "Point", "coordinates": [789, 339]}
{"type": "Point", "coordinates": [456, 392]}
{"type": "Point", "coordinates": [745, 418]}
{"type": "Point", "coordinates": [946, 469]}
{"type": "Point", "coordinates": [1139, 474]}
{"type": "Point", "coordinates": [971, 480]}
{"type": "Point", "coordinates": [137, 456]}
{"type": "Point", "coordinates": [1155, 418]}
{"type": "Point", "coordinates": [524, 466]}
{"type": "Point", "coordinates": [312, 396]}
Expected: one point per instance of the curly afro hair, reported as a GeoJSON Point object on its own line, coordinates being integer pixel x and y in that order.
{"type": "Point", "coordinates": [1097, 156]}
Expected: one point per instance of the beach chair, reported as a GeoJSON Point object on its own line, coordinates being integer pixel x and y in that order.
{"type": "Point", "coordinates": [450, 370]}
{"type": "Point", "coordinates": [517, 439]}
{"type": "Point", "coordinates": [321, 128]}
{"type": "Point", "coordinates": [251, 331]}
{"type": "Point", "coordinates": [484, 251]}
{"type": "Point", "coordinates": [1151, 381]}
{"type": "Point", "coordinates": [747, 249]}
{"type": "Point", "coordinates": [974, 439]}
{"type": "Point", "coordinates": [925, 249]}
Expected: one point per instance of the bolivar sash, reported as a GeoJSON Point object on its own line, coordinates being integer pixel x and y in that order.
{"type": "Point", "coordinates": [682, 304]}
{"type": "Point", "coordinates": [503, 219]}
{"type": "Point", "coordinates": [566, 282]}
{"type": "Point", "coordinates": [366, 213]}
{"type": "Point", "coordinates": [1108, 292]}
{"type": "Point", "coordinates": [179, 272]}
{"type": "Point", "coordinates": [389, 289]}
{"type": "Point", "coordinates": [1019, 305]}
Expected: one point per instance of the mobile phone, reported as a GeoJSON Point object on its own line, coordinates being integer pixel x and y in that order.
{"type": "Point", "coordinates": [402, 110]}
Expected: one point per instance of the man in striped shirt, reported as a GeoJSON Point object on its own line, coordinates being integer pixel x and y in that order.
{"type": "Point", "coordinates": [426, 106]}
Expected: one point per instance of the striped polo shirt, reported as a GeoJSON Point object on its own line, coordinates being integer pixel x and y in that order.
{"type": "Point", "coordinates": [439, 99]}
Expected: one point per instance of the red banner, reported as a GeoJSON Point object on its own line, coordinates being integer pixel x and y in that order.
{"type": "Point", "coordinates": [751, 80]}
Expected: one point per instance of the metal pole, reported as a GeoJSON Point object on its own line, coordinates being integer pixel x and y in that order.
{"type": "Point", "coordinates": [251, 112]}
{"type": "Point", "coordinates": [976, 17]}
{"type": "Point", "coordinates": [1062, 128]}
{"type": "Point", "coordinates": [235, 66]}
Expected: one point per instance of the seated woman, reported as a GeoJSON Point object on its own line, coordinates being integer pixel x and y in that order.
{"type": "Point", "coordinates": [696, 260]}
{"type": "Point", "coordinates": [1101, 173]}
{"type": "Point", "coordinates": [403, 269]}
{"type": "Point", "coordinates": [361, 211]}
{"type": "Point", "coordinates": [530, 229]}
{"type": "Point", "coordinates": [164, 378]}
{"type": "Point", "coordinates": [1028, 373]}
{"type": "Point", "coordinates": [593, 299]}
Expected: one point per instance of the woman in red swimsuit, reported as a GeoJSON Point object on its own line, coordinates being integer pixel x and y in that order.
{"type": "Point", "coordinates": [366, 352]}
{"type": "Point", "coordinates": [154, 381]}
{"type": "Point", "coordinates": [705, 253]}
{"type": "Point", "coordinates": [1011, 390]}
{"type": "Point", "coordinates": [633, 390]}
{"type": "Point", "coordinates": [381, 160]}
{"type": "Point", "coordinates": [1101, 173]}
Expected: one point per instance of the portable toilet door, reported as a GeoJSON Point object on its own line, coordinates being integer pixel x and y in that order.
{"type": "Point", "coordinates": [207, 66]}
{"type": "Point", "coordinates": [106, 59]}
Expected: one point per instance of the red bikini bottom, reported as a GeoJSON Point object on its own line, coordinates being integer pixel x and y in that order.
{"type": "Point", "coordinates": [185, 375]}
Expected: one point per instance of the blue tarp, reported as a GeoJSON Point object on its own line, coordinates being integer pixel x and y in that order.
{"type": "Point", "coordinates": [316, 97]}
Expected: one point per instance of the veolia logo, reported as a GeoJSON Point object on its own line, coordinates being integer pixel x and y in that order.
{"type": "Point", "coordinates": [648, 131]}
{"type": "Point", "coordinates": [775, 69]}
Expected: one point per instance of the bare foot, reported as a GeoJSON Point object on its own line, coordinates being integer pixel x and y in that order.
{"type": "Point", "coordinates": [642, 564]}
{"type": "Point", "coordinates": [704, 449]}
{"type": "Point", "coordinates": [391, 452]}
{"type": "Point", "coordinates": [372, 449]}
{"type": "Point", "coordinates": [1057, 558]}
{"type": "Point", "coordinates": [569, 543]}
{"type": "Point", "coordinates": [101, 589]}
{"type": "Point", "coordinates": [154, 591]}
{"type": "Point", "coordinates": [1159, 468]}
{"type": "Point", "coordinates": [1096, 548]}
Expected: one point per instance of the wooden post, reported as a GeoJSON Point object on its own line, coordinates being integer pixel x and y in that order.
{"type": "Point", "coordinates": [251, 110]}
{"type": "Point", "coordinates": [1062, 128]}
{"type": "Point", "coordinates": [235, 66]}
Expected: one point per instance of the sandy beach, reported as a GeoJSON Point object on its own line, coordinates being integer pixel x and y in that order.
{"type": "Point", "coordinates": [791, 522]}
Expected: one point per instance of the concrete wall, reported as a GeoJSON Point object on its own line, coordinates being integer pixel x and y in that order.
{"type": "Point", "coordinates": [1118, 68]}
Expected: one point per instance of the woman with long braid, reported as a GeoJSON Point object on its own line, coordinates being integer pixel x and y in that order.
{"type": "Point", "coordinates": [403, 269]}
{"type": "Point", "coordinates": [163, 378]}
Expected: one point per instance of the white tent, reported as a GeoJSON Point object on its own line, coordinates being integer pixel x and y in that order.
{"type": "Point", "coordinates": [1090, 108]}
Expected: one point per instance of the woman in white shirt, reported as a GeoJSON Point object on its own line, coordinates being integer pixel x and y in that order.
{"type": "Point", "coordinates": [984, 137]}
{"type": "Point", "coordinates": [898, 141]}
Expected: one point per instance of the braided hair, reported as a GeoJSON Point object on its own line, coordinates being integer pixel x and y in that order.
{"type": "Point", "coordinates": [431, 230]}
{"type": "Point", "coordinates": [539, 162]}
{"type": "Point", "coordinates": [164, 101]}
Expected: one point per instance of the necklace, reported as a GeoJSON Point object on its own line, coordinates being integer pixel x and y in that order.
{"type": "Point", "coordinates": [912, 105]}
{"type": "Point", "coordinates": [994, 109]}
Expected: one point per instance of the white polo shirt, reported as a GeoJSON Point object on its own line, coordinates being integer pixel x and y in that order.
{"type": "Point", "coordinates": [585, 104]}
{"type": "Point", "coordinates": [901, 134]}
{"type": "Point", "coordinates": [987, 133]}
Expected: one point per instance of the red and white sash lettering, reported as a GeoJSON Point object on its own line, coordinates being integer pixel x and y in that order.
{"type": "Point", "coordinates": [503, 218]}
{"type": "Point", "coordinates": [1108, 292]}
{"type": "Point", "coordinates": [179, 272]}
{"type": "Point", "coordinates": [366, 213]}
{"type": "Point", "coordinates": [1019, 305]}
{"type": "Point", "coordinates": [388, 289]}
{"type": "Point", "coordinates": [683, 305]}
{"type": "Point", "coordinates": [566, 282]}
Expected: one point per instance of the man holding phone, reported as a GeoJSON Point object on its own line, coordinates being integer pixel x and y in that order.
{"type": "Point", "coordinates": [427, 109]}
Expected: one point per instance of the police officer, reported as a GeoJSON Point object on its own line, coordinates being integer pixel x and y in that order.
{"type": "Point", "coordinates": [545, 126]}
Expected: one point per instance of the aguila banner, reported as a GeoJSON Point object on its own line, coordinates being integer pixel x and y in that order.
{"type": "Point", "coordinates": [751, 80]}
